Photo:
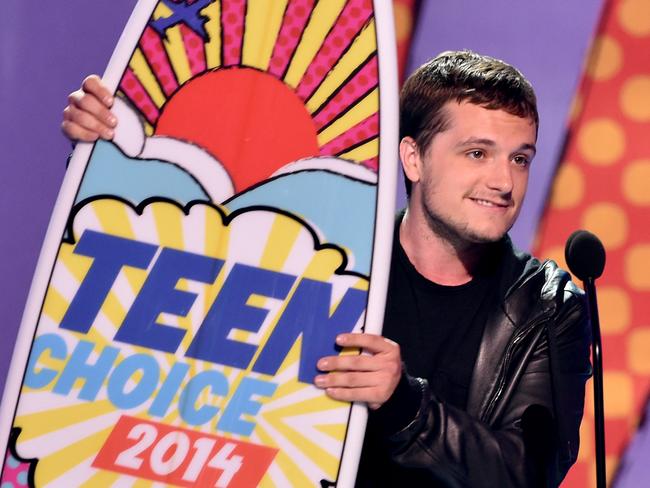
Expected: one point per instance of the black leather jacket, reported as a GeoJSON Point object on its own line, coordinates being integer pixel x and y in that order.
{"type": "Point", "coordinates": [526, 396]}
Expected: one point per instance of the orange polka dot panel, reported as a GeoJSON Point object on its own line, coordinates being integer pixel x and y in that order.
{"type": "Point", "coordinates": [602, 184]}
{"type": "Point", "coordinates": [404, 12]}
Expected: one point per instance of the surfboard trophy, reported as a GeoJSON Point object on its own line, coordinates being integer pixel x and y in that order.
{"type": "Point", "coordinates": [197, 266]}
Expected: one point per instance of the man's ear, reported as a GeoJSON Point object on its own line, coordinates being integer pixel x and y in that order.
{"type": "Point", "coordinates": [410, 157]}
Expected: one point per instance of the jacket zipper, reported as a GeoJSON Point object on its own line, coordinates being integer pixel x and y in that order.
{"type": "Point", "coordinates": [506, 362]}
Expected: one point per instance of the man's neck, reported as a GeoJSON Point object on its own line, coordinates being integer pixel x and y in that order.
{"type": "Point", "coordinates": [435, 257]}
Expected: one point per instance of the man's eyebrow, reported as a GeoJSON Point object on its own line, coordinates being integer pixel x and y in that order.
{"type": "Point", "coordinates": [477, 140]}
{"type": "Point", "coordinates": [491, 143]}
{"type": "Point", "coordinates": [527, 147]}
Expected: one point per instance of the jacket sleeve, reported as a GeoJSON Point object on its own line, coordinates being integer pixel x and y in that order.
{"type": "Point", "coordinates": [534, 440]}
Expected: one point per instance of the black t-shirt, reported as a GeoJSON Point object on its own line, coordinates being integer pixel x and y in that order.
{"type": "Point", "coordinates": [439, 330]}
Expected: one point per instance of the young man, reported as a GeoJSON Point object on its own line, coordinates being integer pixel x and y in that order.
{"type": "Point", "coordinates": [494, 343]}
{"type": "Point", "coordinates": [479, 377]}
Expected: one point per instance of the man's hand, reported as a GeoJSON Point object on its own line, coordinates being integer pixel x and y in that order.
{"type": "Point", "coordinates": [370, 377]}
{"type": "Point", "coordinates": [87, 116]}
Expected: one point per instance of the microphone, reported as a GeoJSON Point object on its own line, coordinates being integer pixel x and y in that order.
{"type": "Point", "coordinates": [585, 256]}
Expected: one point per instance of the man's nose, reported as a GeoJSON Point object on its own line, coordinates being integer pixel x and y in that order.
{"type": "Point", "coordinates": [500, 176]}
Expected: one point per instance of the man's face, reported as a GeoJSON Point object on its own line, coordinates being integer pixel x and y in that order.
{"type": "Point", "coordinates": [471, 182]}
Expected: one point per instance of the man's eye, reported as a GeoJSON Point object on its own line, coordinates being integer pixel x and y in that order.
{"type": "Point", "coordinates": [521, 160]}
{"type": "Point", "coordinates": [476, 154]}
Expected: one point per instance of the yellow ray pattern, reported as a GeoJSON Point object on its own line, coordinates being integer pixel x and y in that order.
{"type": "Point", "coordinates": [173, 414]}
{"type": "Point", "coordinates": [141, 483]}
{"type": "Point", "coordinates": [309, 448]}
{"type": "Point", "coordinates": [310, 405]}
{"type": "Point", "coordinates": [52, 419]}
{"type": "Point", "coordinates": [362, 47]}
{"type": "Point", "coordinates": [173, 43]}
{"type": "Point", "coordinates": [363, 152]}
{"type": "Point", "coordinates": [177, 56]}
{"type": "Point", "coordinates": [287, 465]}
{"type": "Point", "coordinates": [289, 387]}
{"type": "Point", "coordinates": [76, 264]}
{"type": "Point", "coordinates": [100, 478]}
{"type": "Point", "coordinates": [70, 457]}
{"type": "Point", "coordinates": [161, 11]}
{"type": "Point", "coordinates": [361, 284]}
{"type": "Point", "coordinates": [292, 358]}
{"type": "Point", "coordinates": [335, 431]}
{"type": "Point", "coordinates": [55, 305]}
{"type": "Point", "coordinates": [143, 72]}
{"type": "Point", "coordinates": [323, 264]}
{"type": "Point", "coordinates": [114, 310]}
{"type": "Point", "coordinates": [186, 322]}
{"type": "Point", "coordinates": [363, 109]}
{"type": "Point", "coordinates": [169, 224]}
{"type": "Point", "coordinates": [283, 235]}
{"type": "Point", "coordinates": [217, 235]}
{"type": "Point", "coordinates": [213, 27]}
{"type": "Point", "coordinates": [263, 22]}
{"type": "Point", "coordinates": [148, 128]}
{"type": "Point", "coordinates": [136, 278]}
{"type": "Point", "coordinates": [322, 19]}
{"type": "Point", "coordinates": [266, 482]}
{"type": "Point", "coordinates": [113, 217]}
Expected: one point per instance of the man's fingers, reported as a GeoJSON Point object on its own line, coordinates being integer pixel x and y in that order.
{"type": "Point", "coordinates": [81, 125]}
{"type": "Point", "coordinates": [369, 378]}
{"type": "Point", "coordinates": [94, 85]}
{"type": "Point", "coordinates": [87, 116]}
{"type": "Point", "coordinates": [91, 105]}
{"type": "Point", "coordinates": [370, 342]}
{"type": "Point", "coordinates": [348, 380]}
{"type": "Point", "coordinates": [87, 121]}
{"type": "Point", "coordinates": [77, 133]}
{"type": "Point", "coordinates": [349, 363]}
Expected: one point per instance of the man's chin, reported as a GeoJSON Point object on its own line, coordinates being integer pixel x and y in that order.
{"type": "Point", "coordinates": [484, 236]}
{"type": "Point", "coordinates": [462, 234]}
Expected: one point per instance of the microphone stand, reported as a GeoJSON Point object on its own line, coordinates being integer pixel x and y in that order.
{"type": "Point", "coordinates": [596, 347]}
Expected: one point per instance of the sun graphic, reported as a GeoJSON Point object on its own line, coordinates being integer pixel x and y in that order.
{"type": "Point", "coordinates": [241, 104]}
{"type": "Point", "coordinates": [260, 85]}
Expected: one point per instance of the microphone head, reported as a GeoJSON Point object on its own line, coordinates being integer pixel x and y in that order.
{"type": "Point", "coordinates": [585, 255]}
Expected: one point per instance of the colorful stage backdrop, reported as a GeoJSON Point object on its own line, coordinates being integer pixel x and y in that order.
{"type": "Point", "coordinates": [604, 183]}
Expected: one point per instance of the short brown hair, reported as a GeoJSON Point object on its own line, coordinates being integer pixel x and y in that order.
{"type": "Point", "coordinates": [460, 76]}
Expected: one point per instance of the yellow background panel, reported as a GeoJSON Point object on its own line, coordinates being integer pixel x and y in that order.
{"type": "Point", "coordinates": [362, 47]}
{"type": "Point", "coordinates": [322, 19]}
{"type": "Point", "coordinates": [213, 29]}
{"type": "Point", "coordinates": [366, 107]}
{"type": "Point", "coordinates": [263, 22]}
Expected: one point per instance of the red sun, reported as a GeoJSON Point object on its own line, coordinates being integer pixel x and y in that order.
{"type": "Point", "coordinates": [247, 119]}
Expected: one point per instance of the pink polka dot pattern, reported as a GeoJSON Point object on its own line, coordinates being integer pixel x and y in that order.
{"type": "Point", "coordinates": [363, 131]}
{"type": "Point", "coordinates": [135, 92]}
{"type": "Point", "coordinates": [154, 51]}
{"type": "Point", "coordinates": [194, 49]}
{"type": "Point", "coordinates": [353, 17]}
{"type": "Point", "coordinates": [14, 473]}
{"type": "Point", "coordinates": [351, 91]}
{"type": "Point", "coordinates": [372, 164]}
{"type": "Point", "coordinates": [294, 22]}
{"type": "Point", "coordinates": [233, 14]}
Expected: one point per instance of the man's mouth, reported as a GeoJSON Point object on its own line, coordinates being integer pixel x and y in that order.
{"type": "Point", "coordinates": [490, 203]}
